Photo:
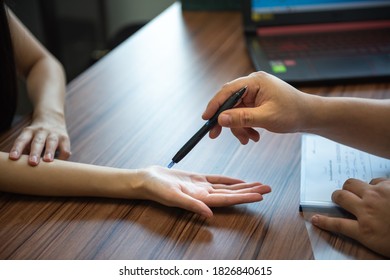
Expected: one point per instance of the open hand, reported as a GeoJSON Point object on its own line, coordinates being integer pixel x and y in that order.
{"type": "Point", "coordinates": [196, 192]}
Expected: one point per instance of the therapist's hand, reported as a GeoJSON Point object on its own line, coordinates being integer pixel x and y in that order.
{"type": "Point", "coordinates": [269, 103]}
{"type": "Point", "coordinates": [43, 137]}
{"type": "Point", "coordinates": [370, 204]}
{"type": "Point", "coordinates": [196, 192]}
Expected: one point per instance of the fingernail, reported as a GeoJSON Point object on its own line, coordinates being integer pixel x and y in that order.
{"type": "Point", "coordinates": [34, 159]}
{"type": "Point", "coordinates": [48, 157]}
{"type": "Point", "coordinates": [225, 120]}
{"type": "Point", "coordinates": [207, 215]}
{"type": "Point", "coordinates": [314, 220]}
{"type": "Point", "coordinates": [14, 154]}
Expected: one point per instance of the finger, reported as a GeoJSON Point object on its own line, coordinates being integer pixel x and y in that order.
{"type": "Point", "coordinates": [50, 148]}
{"type": "Point", "coordinates": [246, 134]}
{"type": "Point", "coordinates": [347, 200]}
{"type": "Point", "coordinates": [241, 135]}
{"type": "Point", "coordinates": [253, 134]}
{"type": "Point", "coordinates": [261, 189]}
{"type": "Point", "coordinates": [215, 131]}
{"type": "Point", "coordinates": [238, 186]}
{"type": "Point", "coordinates": [238, 117]}
{"type": "Point", "coordinates": [37, 145]}
{"type": "Point", "coordinates": [20, 144]}
{"type": "Point", "coordinates": [227, 90]}
{"type": "Point", "coordinates": [376, 181]}
{"type": "Point", "coordinates": [64, 149]}
{"type": "Point", "coordinates": [355, 186]}
{"type": "Point", "coordinates": [344, 226]}
{"type": "Point", "coordinates": [191, 204]}
{"type": "Point", "coordinates": [224, 180]}
{"type": "Point", "coordinates": [223, 200]}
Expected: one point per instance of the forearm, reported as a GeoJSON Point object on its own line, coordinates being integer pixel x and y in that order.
{"type": "Point", "coordinates": [62, 178]}
{"type": "Point", "coordinates": [357, 122]}
{"type": "Point", "coordinates": [46, 88]}
{"type": "Point", "coordinates": [44, 75]}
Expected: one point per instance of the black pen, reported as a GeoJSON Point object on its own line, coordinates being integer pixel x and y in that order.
{"type": "Point", "coordinates": [228, 104]}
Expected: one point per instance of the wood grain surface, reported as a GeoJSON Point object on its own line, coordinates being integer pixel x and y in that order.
{"type": "Point", "coordinates": [136, 107]}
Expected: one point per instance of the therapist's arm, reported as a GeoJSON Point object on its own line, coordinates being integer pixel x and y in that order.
{"type": "Point", "coordinates": [273, 104]}
{"type": "Point", "coordinates": [176, 188]}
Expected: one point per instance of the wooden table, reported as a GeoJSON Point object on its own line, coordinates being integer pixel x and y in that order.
{"type": "Point", "coordinates": [135, 108]}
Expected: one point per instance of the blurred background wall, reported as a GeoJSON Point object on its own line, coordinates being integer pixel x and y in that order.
{"type": "Point", "coordinates": [79, 32]}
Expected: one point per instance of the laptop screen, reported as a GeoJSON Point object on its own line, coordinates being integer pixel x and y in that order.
{"type": "Point", "coordinates": [260, 7]}
{"type": "Point", "coordinates": [280, 12]}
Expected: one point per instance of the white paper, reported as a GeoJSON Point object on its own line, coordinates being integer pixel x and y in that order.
{"type": "Point", "coordinates": [326, 165]}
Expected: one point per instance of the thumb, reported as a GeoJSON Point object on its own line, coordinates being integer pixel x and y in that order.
{"type": "Point", "coordinates": [238, 117]}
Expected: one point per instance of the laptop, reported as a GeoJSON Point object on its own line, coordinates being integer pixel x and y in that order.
{"type": "Point", "coordinates": [308, 41]}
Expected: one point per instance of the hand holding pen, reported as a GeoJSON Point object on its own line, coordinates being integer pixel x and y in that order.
{"type": "Point", "coordinates": [228, 104]}
{"type": "Point", "coordinates": [269, 103]}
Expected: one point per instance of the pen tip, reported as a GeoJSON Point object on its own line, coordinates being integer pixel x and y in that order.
{"type": "Point", "coordinates": [171, 164]}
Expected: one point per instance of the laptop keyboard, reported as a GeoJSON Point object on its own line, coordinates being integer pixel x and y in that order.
{"type": "Point", "coordinates": [327, 44]}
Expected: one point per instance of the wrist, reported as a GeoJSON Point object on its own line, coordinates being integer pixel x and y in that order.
{"type": "Point", "coordinates": [45, 112]}
{"type": "Point", "coordinates": [313, 113]}
{"type": "Point", "coordinates": [48, 115]}
{"type": "Point", "coordinates": [131, 183]}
